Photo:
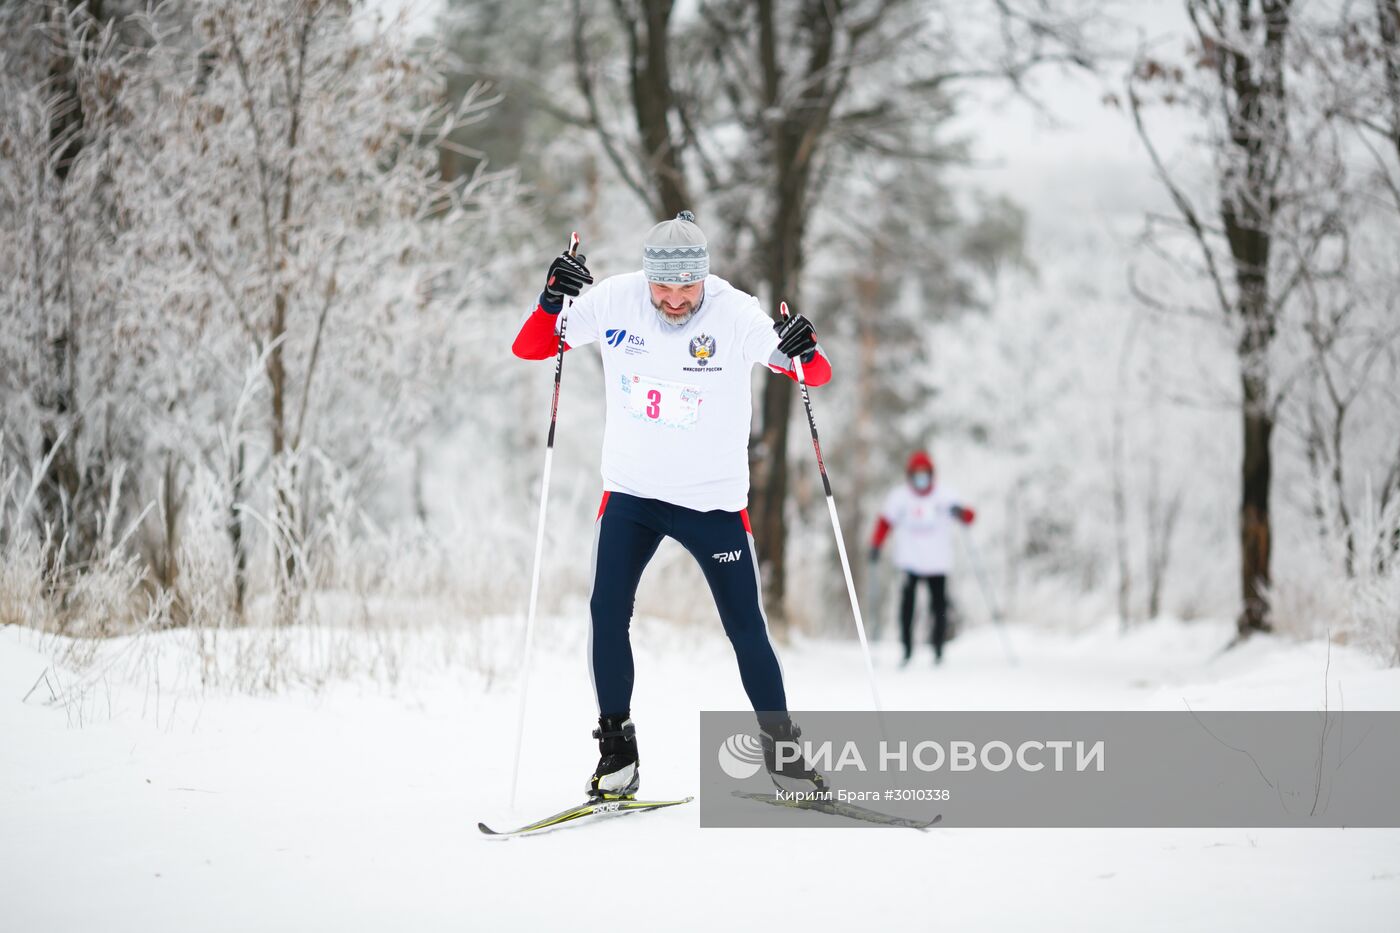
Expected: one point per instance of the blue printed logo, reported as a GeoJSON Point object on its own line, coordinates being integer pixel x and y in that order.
{"type": "Point", "coordinates": [615, 337]}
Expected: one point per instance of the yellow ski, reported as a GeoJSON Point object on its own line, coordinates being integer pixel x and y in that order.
{"type": "Point", "coordinates": [590, 808]}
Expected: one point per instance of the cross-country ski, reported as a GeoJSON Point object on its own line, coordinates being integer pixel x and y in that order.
{"type": "Point", "coordinates": [586, 811]}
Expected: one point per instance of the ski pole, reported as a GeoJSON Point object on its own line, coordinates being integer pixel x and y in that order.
{"type": "Point", "coordinates": [836, 526]}
{"type": "Point", "coordinates": [987, 594]}
{"type": "Point", "coordinates": [539, 540]}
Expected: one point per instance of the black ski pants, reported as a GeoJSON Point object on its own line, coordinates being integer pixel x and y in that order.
{"type": "Point", "coordinates": [938, 599]}
{"type": "Point", "coordinates": [628, 531]}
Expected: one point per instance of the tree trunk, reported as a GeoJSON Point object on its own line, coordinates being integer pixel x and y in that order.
{"type": "Point", "coordinates": [1163, 511]}
{"type": "Point", "coordinates": [652, 100]}
{"type": "Point", "coordinates": [60, 493]}
{"type": "Point", "coordinates": [1250, 245]}
{"type": "Point", "coordinates": [1120, 517]}
{"type": "Point", "coordinates": [1388, 16]}
{"type": "Point", "coordinates": [280, 251]}
{"type": "Point", "coordinates": [793, 141]}
{"type": "Point", "coordinates": [785, 259]}
{"type": "Point", "coordinates": [284, 525]}
{"type": "Point", "coordinates": [235, 533]}
{"type": "Point", "coordinates": [1255, 530]}
{"type": "Point", "coordinates": [171, 508]}
{"type": "Point", "coordinates": [1249, 201]}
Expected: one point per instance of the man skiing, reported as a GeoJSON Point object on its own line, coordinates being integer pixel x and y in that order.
{"type": "Point", "coordinates": [921, 514]}
{"type": "Point", "coordinates": [678, 345]}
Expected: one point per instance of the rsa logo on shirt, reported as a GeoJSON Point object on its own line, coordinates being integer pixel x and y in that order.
{"type": "Point", "coordinates": [636, 345]}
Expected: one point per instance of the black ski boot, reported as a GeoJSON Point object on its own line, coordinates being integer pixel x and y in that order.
{"type": "Point", "coordinates": [617, 776]}
{"type": "Point", "coordinates": [791, 775]}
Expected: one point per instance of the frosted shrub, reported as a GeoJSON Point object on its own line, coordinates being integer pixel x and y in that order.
{"type": "Point", "coordinates": [21, 563]}
{"type": "Point", "coordinates": [1373, 594]}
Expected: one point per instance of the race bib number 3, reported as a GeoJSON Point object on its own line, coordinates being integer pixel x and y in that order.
{"type": "Point", "coordinates": [656, 401]}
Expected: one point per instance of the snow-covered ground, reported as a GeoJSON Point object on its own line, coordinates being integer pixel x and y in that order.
{"type": "Point", "coordinates": [132, 800]}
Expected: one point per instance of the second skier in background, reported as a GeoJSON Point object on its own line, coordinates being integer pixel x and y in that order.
{"type": "Point", "coordinates": [921, 513]}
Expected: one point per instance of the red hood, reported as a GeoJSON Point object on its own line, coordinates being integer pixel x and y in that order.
{"type": "Point", "coordinates": [918, 460]}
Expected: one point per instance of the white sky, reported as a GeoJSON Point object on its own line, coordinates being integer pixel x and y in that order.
{"type": "Point", "coordinates": [1079, 157]}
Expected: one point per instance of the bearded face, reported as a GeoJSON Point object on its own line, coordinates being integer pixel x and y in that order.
{"type": "Point", "coordinates": [676, 303]}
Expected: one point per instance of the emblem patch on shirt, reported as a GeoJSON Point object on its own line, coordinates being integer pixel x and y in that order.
{"type": "Point", "coordinates": [703, 349]}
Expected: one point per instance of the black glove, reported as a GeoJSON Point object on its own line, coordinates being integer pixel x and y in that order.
{"type": "Point", "coordinates": [796, 337]}
{"type": "Point", "coordinates": [567, 276]}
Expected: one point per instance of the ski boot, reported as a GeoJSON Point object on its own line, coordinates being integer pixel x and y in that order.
{"type": "Point", "coordinates": [791, 775]}
{"type": "Point", "coordinates": [617, 776]}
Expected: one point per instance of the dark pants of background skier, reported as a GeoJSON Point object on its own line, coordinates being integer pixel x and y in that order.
{"type": "Point", "coordinates": [938, 598]}
{"type": "Point", "coordinates": [628, 532]}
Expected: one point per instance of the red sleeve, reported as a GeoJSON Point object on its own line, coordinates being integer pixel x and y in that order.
{"type": "Point", "coordinates": [817, 372]}
{"type": "Point", "coordinates": [882, 531]}
{"type": "Point", "coordinates": [537, 339]}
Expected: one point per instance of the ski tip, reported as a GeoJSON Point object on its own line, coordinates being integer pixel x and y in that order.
{"type": "Point", "coordinates": [487, 830]}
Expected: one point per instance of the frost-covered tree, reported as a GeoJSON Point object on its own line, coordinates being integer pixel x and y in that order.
{"type": "Point", "coordinates": [283, 170]}
{"type": "Point", "coordinates": [1244, 53]}
{"type": "Point", "coordinates": [1289, 255]}
{"type": "Point", "coordinates": [233, 268]}
{"type": "Point", "coordinates": [61, 331]}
